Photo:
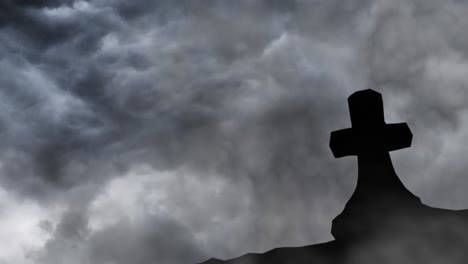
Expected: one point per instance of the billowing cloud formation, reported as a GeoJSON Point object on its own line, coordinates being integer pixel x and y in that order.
{"type": "Point", "coordinates": [173, 131]}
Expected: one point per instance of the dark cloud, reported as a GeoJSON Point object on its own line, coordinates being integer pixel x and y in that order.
{"type": "Point", "coordinates": [145, 242]}
{"type": "Point", "coordinates": [42, 3]}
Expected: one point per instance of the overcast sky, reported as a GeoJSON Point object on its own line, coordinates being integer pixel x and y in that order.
{"type": "Point", "coordinates": [173, 131]}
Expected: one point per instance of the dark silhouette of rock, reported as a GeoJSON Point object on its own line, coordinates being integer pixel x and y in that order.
{"type": "Point", "coordinates": [383, 222]}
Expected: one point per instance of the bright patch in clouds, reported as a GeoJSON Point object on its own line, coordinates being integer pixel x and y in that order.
{"type": "Point", "coordinates": [20, 228]}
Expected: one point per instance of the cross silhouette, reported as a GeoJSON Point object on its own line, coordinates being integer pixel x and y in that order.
{"type": "Point", "coordinates": [378, 186]}
{"type": "Point", "coordinates": [369, 133]}
{"type": "Point", "coordinates": [371, 139]}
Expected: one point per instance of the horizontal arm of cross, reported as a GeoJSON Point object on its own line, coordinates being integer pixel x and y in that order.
{"type": "Point", "coordinates": [352, 141]}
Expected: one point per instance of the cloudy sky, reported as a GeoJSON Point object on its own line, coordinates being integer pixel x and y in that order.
{"type": "Point", "coordinates": [173, 131]}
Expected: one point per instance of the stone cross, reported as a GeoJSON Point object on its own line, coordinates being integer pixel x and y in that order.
{"type": "Point", "coordinates": [371, 140]}
{"type": "Point", "coordinates": [379, 190]}
{"type": "Point", "coordinates": [369, 133]}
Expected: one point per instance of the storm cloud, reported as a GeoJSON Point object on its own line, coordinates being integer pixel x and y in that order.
{"type": "Point", "coordinates": [175, 131]}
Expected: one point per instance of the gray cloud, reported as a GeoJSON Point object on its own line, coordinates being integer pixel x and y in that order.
{"type": "Point", "coordinates": [149, 240]}
{"type": "Point", "coordinates": [240, 96]}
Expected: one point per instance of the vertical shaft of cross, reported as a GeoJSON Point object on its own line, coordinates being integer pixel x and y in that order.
{"type": "Point", "coordinates": [377, 175]}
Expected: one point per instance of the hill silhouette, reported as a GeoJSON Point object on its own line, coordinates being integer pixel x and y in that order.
{"type": "Point", "coordinates": [383, 222]}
